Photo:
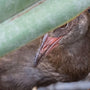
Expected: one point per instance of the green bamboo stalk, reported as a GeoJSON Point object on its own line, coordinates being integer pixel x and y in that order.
{"type": "Point", "coordinates": [9, 8]}
{"type": "Point", "coordinates": [41, 19]}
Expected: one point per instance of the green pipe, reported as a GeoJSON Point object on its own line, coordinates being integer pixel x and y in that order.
{"type": "Point", "coordinates": [39, 20]}
{"type": "Point", "coordinates": [9, 8]}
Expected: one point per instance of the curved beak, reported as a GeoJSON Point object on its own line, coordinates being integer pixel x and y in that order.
{"type": "Point", "coordinates": [48, 44]}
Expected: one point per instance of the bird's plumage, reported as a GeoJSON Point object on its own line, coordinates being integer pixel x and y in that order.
{"type": "Point", "coordinates": [70, 61]}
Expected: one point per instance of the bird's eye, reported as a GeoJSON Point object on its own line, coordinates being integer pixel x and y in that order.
{"type": "Point", "coordinates": [60, 30]}
{"type": "Point", "coordinates": [64, 26]}
{"type": "Point", "coordinates": [61, 27]}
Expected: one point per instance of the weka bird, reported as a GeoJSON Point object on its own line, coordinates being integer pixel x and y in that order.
{"type": "Point", "coordinates": [71, 44]}
{"type": "Point", "coordinates": [68, 61]}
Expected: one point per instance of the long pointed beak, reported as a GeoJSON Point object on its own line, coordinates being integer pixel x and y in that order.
{"type": "Point", "coordinates": [48, 44]}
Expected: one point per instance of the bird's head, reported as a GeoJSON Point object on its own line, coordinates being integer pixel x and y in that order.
{"type": "Point", "coordinates": [62, 36]}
